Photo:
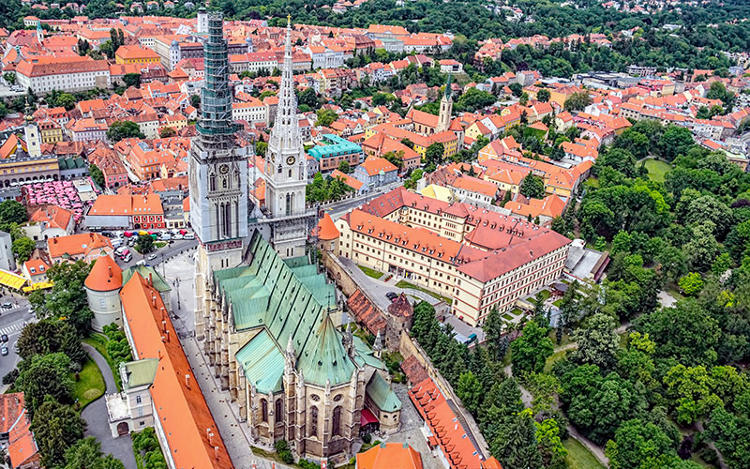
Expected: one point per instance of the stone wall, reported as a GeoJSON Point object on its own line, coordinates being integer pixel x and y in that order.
{"type": "Point", "coordinates": [409, 347]}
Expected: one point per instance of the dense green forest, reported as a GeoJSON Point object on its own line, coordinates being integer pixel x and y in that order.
{"type": "Point", "coordinates": [654, 385]}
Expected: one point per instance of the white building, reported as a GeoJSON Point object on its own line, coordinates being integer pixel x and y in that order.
{"type": "Point", "coordinates": [71, 74]}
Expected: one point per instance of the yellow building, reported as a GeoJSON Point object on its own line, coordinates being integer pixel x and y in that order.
{"type": "Point", "coordinates": [50, 131]}
{"type": "Point", "coordinates": [136, 55]}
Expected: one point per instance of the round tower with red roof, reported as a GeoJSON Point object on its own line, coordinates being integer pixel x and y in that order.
{"type": "Point", "coordinates": [103, 291]}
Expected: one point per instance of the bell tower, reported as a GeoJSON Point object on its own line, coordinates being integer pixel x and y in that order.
{"type": "Point", "coordinates": [446, 108]}
{"type": "Point", "coordinates": [217, 173]}
{"type": "Point", "coordinates": [286, 169]}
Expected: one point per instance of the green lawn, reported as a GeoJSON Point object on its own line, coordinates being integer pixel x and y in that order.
{"type": "Point", "coordinates": [579, 457]}
{"type": "Point", "coordinates": [657, 169]}
{"type": "Point", "coordinates": [543, 295]}
{"type": "Point", "coordinates": [552, 359]}
{"type": "Point", "coordinates": [160, 244]}
{"type": "Point", "coordinates": [370, 272]}
{"type": "Point", "coordinates": [90, 384]}
{"type": "Point", "coordinates": [99, 342]}
{"type": "Point", "coordinates": [405, 284]}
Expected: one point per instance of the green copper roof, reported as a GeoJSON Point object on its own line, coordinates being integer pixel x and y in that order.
{"type": "Point", "coordinates": [160, 284]}
{"type": "Point", "coordinates": [334, 146]}
{"type": "Point", "coordinates": [365, 355]}
{"type": "Point", "coordinates": [139, 372]}
{"type": "Point", "coordinates": [382, 394]}
{"type": "Point", "coordinates": [290, 303]}
{"type": "Point", "coordinates": [262, 362]}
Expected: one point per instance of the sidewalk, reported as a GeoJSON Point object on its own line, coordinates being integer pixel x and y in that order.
{"type": "Point", "coordinates": [236, 435]}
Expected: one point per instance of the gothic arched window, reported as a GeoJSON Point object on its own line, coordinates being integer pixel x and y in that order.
{"type": "Point", "coordinates": [278, 411]}
{"type": "Point", "coordinates": [336, 423]}
{"type": "Point", "coordinates": [212, 182]}
{"type": "Point", "coordinates": [264, 410]}
{"type": "Point", "coordinates": [314, 421]}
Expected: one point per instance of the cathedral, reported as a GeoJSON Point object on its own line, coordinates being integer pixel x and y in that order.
{"type": "Point", "coordinates": [263, 310]}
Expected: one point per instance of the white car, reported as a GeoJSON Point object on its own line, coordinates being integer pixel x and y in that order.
{"type": "Point", "coordinates": [178, 236]}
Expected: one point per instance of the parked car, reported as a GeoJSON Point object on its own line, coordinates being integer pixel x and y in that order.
{"type": "Point", "coordinates": [128, 257]}
{"type": "Point", "coordinates": [7, 305]}
{"type": "Point", "coordinates": [4, 351]}
{"type": "Point", "coordinates": [4, 338]}
{"type": "Point", "coordinates": [151, 257]}
{"type": "Point", "coordinates": [189, 236]}
{"type": "Point", "coordinates": [178, 236]}
{"type": "Point", "coordinates": [391, 296]}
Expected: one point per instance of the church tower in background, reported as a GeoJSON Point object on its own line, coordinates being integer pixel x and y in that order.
{"type": "Point", "coordinates": [217, 174]}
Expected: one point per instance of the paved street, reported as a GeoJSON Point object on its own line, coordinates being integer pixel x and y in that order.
{"type": "Point", "coordinates": [162, 254]}
{"type": "Point", "coordinates": [179, 272]}
{"type": "Point", "coordinates": [97, 420]}
{"type": "Point", "coordinates": [12, 322]}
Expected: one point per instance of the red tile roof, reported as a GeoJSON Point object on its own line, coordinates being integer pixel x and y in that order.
{"type": "Point", "coordinates": [81, 244]}
{"type": "Point", "coordinates": [390, 456]}
{"type": "Point", "coordinates": [105, 275]}
{"type": "Point", "coordinates": [191, 432]}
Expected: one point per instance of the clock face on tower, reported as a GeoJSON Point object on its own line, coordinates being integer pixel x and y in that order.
{"type": "Point", "coordinates": [290, 160]}
{"type": "Point", "coordinates": [224, 169]}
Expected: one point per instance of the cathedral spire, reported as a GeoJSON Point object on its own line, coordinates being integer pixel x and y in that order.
{"type": "Point", "coordinates": [286, 116]}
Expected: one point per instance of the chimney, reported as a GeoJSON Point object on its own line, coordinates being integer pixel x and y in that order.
{"type": "Point", "coordinates": [216, 453]}
{"type": "Point", "coordinates": [109, 270]}
{"type": "Point", "coordinates": [151, 280]}
{"type": "Point", "coordinates": [153, 299]}
{"type": "Point", "coordinates": [163, 325]}
{"type": "Point", "coordinates": [209, 433]}
{"type": "Point", "coordinates": [187, 383]}
{"type": "Point", "coordinates": [167, 332]}
{"type": "Point", "coordinates": [54, 240]}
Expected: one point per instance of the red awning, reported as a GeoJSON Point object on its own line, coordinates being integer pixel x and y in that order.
{"type": "Point", "coordinates": [366, 417]}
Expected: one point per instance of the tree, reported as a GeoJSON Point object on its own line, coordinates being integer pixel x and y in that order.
{"type": "Point", "coordinates": [577, 101]}
{"type": "Point", "coordinates": [718, 90]}
{"type": "Point", "coordinates": [12, 212]}
{"type": "Point", "coordinates": [732, 436]}
{"type": "Point", "coordinates": [56, 428]}
{"type": "Point", "coordinates": [543, 95]}
{"type": "Point", "coordinates": [87, 454]}
{"type": "Point", "coordinates": [702, 249]}
{"type": "Point", "coordinates": [685, 331]}
{"type": "Point", "coordinates": [145, 244]}
{"type": "Point", "coordinates": [123, 129]}
{"type": "Point", "coordinates": [309, 98]}
{"type": "Point", "coordinates": [326, 117]}
{"type": "Point", "coordinates": [67, 299]}
{"type": "Point", "coordinates": [166, 132]}
{"type": "Point", "coordinates": [23, 247]}
{"type": "Point", "coordinates": [691, 284]}
{"type": "Point", "coordinates": [634, 142]}
{"type": "Point", "coordinates": [689, 392]}
{"type": "Point", "coordinates": [597, 342]}
{"type": "Point", "coordinates": [516, 89]}
{"type": "Point", "coordinates": [550, 445]}
{"type": "Point", "coordinates": [345, 167]}
{"type": "Point", "coordinates": [516, 445]}
{"type": "Point", "coordinates": [195, 101]}
{"type": "Point", "coordinates": [10, 78]}
{"type": "Point", "coordinates": [532, 186]}
{"type": "Point", "coordinates": [51, 336]}
{"type": "Point", "coordinates": [597, 405]}
{"type": "Point", "coordinates": [97, 175]}
{"type": "Point", "coordinates": [132, 79]}
{"type": "Point", "coordinates": [434, 154]}
{"type": "Point", "coordinates": [636, 442]}
{"type": "Point", "coordinates": [470, 391]}
{"type": "Point", "coordinates": [675, 141]}
{"type": "Point", "coordinates": [493, 334]}
{"type": "Point", "coordinates": [474, 99]}
{"type": "Point", "coordinates": [530, 351]}
{"type": "Point", "coordinates": [618, 159]}
{"type": "Point", "coordinates": [44, 375]}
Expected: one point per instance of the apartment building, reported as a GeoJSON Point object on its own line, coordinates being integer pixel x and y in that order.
{"type": "Point", "coordinates": [69, 73]}
{"type": "Point", "coordinates": [480, 258]}
{"type": "Point", "coordinates": [126, 211]}
{"type": "Point", "coordinates": [252, 110]}
{"type": "Point", "coordinates": [136, 55]}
